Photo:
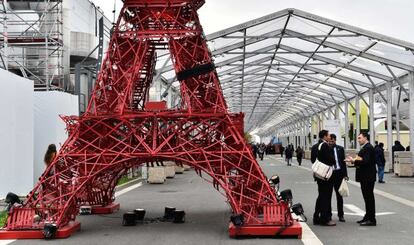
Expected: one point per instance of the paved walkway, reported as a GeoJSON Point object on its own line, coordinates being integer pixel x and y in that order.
{"type": "Point", "coordinates": [208, 213]}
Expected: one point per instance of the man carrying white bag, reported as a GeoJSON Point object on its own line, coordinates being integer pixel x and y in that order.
{"type": "Point", "coordinates": [323, 159]}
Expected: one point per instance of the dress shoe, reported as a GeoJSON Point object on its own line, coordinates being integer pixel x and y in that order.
{"type": "Point", "coordinates": [329, 223]}
{"type": "Point", "coordinates": [341, 219]}
{"type": "Point", "coordinates": [381, 182]}
{"type": "Point", "coordinates": [368, 223]}
{"type": "Point", "coordinates": [361, 221]}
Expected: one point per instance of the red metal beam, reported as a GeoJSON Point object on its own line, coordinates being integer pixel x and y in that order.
{"type": "Point", "coordinates": [118, 131]}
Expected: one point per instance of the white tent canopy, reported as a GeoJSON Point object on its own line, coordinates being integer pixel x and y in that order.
{"type": "Point", "coordinates": [291, 64]}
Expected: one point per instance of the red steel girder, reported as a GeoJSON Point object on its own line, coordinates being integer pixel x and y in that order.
{"type": "Point", "coordinates": [118, 132]}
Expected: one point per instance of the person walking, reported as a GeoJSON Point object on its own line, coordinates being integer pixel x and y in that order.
{"type": "Point", "coordinates": [380, 161]}
{"type": "Point", "coordinates": [339, 174]}
{"type": "Point", "coordinates": [323, 211]}
{"type": "Point", "coordinates": [365, 174]}
{"type": "Point", "coordinates": [289, 155]}
{"type": "Point", "coordinates": [254, 150]}
{"type": "Point", "coordinates": [282, 150]}
{"type": "Point", "coordinates": [299, 155]}
{"type": "Point", "coordinates": [261, 151]}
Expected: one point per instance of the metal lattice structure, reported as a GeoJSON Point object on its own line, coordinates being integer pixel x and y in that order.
{"type": "Point", "coordinates": [119, 130]}
{"type": "Point", "coordinates": [31, 41]}
{"type": "Point", "coordinates": [305, 61]}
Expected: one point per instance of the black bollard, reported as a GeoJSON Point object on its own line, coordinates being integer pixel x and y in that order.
{"type": "Point", "coordinates": [237, 219]}
{"type": "Point", "coordinates": [169, 213]}
{"type": "Point", "coordinates": [129, 219]}
{"type": "Point", "coordinates": [139, 214]}
{"type": "Point", "coordinates": [49, 231]}
{"type": "Point", "coordinates": [179, 216]}
{"type": "Point", "coordinates": [286, 195]}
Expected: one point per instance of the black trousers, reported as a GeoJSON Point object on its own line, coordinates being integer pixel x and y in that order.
{"type": "Point", "coordinates": [367, 189]}
{"type": "Point", "coordinates": [323, 210]}
{"type": "Point", "coordinates": [337, 177]}
{"type": "Point", "coordinates": [261, 154]}
{"type": "Point", "coordinates": [299, 160]}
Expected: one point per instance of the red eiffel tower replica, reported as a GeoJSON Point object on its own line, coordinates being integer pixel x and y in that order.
{"type": "Point", "coordinates": [120, 130]}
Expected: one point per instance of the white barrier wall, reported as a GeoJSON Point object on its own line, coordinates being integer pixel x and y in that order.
{"type": "Point", "coordinates": [16, 134]}
{"type": "Point", "coordinates": [48, 126]}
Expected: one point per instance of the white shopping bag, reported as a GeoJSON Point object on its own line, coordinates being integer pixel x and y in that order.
{"type": "Point", "coordinates": [343, 189]}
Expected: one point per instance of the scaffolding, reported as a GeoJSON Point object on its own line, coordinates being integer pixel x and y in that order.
{"type": "Point", "coordinates": [31, 41]}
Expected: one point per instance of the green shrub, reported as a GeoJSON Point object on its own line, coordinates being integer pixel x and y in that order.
{"type": "Point", "coordinates": [3, 218]}
{"type": "Point", "coordinates": [123, 180]}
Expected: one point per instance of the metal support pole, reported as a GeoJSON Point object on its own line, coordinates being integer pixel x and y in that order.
{"type": "Point", "coordinates": [411, 114]}
{"type": "Point", "coordinates": [397, 122]}
{"type": "Point", "coordinates": [371, 116]}
{"type": "Point", "coordinates": [389, 123]}
{"type": "Point", "coordinates": [304, 134]}
{"type": "Point", "coordinates": [5, 36]}
{"type": "Point", "coordinates": [320, 122]}
{"type": "Point", "coordinates": [309, 132]}
{"type": "Point", "coordinates": [358, 120]}
{"type": "Point", "coordinates": [78, 69]}
{"type": "Point", "coordinates": [336, 112]}
{"type": "Point", "coordinates": [100, 46]}
{"type": "Point", "coordinates": [296, 138]}
{"type": "Point", "coordinates": [346, 129]}
{"type": "Point", "coordinates": [90, 87]}
{"type": "Point", "coordinates": [47, 64]}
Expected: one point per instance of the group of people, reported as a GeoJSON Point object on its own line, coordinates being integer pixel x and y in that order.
{"type": "Point", "coordinates": [289, 151]}
{"type": "Point", "coordinates": [398, 147]}
{"type": "Point", "coordinates": [380, 157]}
{"type": "Point", "coordinates": [329, 153]}
{"type": "Point", "coordinates": [259, 150]}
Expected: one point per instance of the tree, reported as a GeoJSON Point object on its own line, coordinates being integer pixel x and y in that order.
{"type": "Point", "coordinates": [248, 137]}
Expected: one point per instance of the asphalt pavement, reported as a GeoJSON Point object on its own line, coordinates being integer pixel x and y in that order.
{"type": "Point", "coordinates": [207, 213]}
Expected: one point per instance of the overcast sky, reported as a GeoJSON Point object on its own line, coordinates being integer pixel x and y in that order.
{"type": "Point", "coordinates": [390, 17]}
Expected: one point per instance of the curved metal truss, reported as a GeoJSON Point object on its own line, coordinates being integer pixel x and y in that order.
{"type": "Point", "coordinates": [292, 64]}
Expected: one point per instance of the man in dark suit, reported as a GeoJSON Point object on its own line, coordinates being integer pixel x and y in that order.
{"type": "Point", "coordinates": [323, 211]}
{"type": "Point", "coordinates": [366, 174]}
{"type": "Point", "coordinates": [340, 172]}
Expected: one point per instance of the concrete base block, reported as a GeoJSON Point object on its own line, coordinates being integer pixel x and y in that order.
{"type": "Point", "coordinates": [179, 169]}
{"type": "Point", "coordinates": [169, 171]}
{"type": "Point", "coordinates": [403, 170]}
{"type": "Point", "coordinates": [307, 155]}
{"type": "Point", "coordinates": [402, 160]}
{"type": "Point", "coordinates": [156, 175]}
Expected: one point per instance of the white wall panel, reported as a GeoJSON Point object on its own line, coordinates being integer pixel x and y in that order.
{"type": "Point", "coordinates": [16, 134]}
{"type": "Point", "coordinates": [48, 126]}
